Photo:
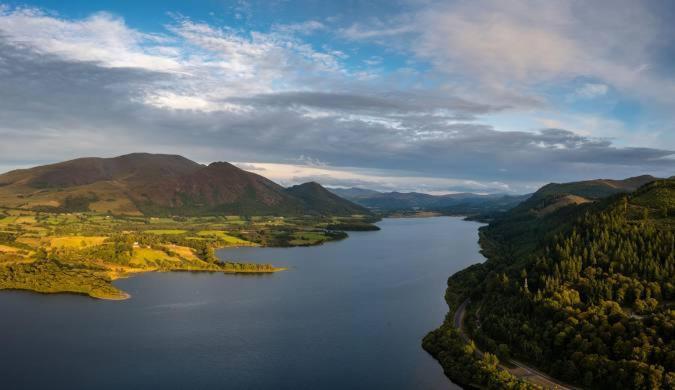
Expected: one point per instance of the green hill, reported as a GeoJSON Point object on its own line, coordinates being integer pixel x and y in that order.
{"type": "Point", "coordinates": [554, 195]}
{"type": "Point", "coordinates": [584, 292]}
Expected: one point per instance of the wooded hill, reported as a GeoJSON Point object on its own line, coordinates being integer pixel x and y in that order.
{"type": "Point", "coordinates": [583, 290]}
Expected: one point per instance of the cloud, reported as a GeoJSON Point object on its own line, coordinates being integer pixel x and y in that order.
{"type": "Point", "coordinates": [306, 27]}
{"type": "Point", "coordinates": [101, 38]}
{"type": "Point", "coordinates": [507, 47]}
{"type": "Point", "coordinates": [267, 97]}
{"type": "Point", "coordinates": [383, 180]}
{"type": "Point", "coordinates": [393, 102]}
{"type": "Point", "coordinates": [208, 64]}
{"type": "Point", "coordinates": [590, 91]}
{"type": "Point", "coordinates": [358, 31]}
{"type": "Point", "coordinates": [250, 167]}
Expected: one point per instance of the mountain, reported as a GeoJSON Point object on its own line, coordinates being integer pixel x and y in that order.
{"type": "Point", "coordinates": [555, 195]}
{"type": "Point", "coordinates": [354, 192]}
{"type": "Point", "coordinates": [451, 204]}
{"type": "Point", "coordinates": [317, 197]}
{"type": "Point", "coordinates": [159, 184]}
{"type": "Point", "coordinates": [583, 292]}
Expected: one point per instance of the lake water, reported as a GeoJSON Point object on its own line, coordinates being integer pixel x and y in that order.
{"type": "Point", "coordinates": [346, 315]}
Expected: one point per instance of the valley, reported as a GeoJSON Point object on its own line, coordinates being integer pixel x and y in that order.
{"type": "Point", "coordinates": [596, 256]}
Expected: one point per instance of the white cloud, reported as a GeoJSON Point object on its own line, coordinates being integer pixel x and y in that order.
{"type": "Point", "coordinates": [291, 174]}
{"type": "Point", "coordinates": [498, 43]}
{"type": "Point", "coordinates": [358, 31]}
{"type": "Point", "coordinates": [506, 48]}
{"type": "Point", "coordinates": [306, 27]}
{"type": "Point", "coordinates": [102, 38]}
{"type": "Point", "coordinates": [208, 64]}
{"type": "Point", "coordinates": [590, 91]}
{"type": "Point", "coordinates": [216, 93]}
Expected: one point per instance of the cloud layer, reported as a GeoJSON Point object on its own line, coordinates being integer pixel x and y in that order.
{"type": "Point", "coordinates": [96, 86]}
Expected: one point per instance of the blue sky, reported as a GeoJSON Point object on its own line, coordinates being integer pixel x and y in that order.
{"type": "Point", "coordinates": [484, 96]}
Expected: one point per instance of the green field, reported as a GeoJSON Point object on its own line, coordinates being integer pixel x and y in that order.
{"type": "Point", "coordinates": [165, 231]}
{"type": "Point", "coordinates": [83, 253]}
{"type": "Point", "coordinates": [222, 236]}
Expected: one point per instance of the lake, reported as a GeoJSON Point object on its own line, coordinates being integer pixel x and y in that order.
{"type": "Point", "coordinates": [345, 315]}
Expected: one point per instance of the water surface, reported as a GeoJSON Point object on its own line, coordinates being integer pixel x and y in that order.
{"type": "Point", "coordinates": [346, 315]}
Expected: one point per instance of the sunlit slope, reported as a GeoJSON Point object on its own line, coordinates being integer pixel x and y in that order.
{"type": "Point", "coordinates": [157, 184]}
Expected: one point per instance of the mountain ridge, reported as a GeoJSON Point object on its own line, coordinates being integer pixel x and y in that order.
{"type": "Point", "coordinates": [158, 184]}
{"type": "Point", "coordinates": [468, 204]}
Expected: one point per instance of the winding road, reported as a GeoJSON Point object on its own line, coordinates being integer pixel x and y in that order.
{"type": "Point", "coordinates": [519, 369]}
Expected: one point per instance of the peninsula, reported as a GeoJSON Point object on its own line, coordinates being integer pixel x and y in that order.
{"type": "Point", "coordinates": [76, 226]}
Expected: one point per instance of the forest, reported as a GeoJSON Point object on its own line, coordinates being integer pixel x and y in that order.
{"type": "Point", "coordinates": [585, 293]}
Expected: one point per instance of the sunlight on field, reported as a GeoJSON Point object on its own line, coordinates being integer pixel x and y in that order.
{"type": "Point", "coordinates": [143, 256]}
{"type": "Point", "coordinates": [7, 220]}
{"type": "Point", "coordinates": [83, 252]}
{"type": "Point", "coordinates": [230, 240]}
{"type": "Point", "coordinates": [166, 231]}
{"type": "Point", "coordinates": [184, 252]}
{"type": "Point", "coordinates": [8, 249]}
{"type": "Point", "coordinates": [75, 242]}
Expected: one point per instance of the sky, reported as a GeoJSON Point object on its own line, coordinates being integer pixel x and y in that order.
{"type": "Point", "coordinates": [494, 96]}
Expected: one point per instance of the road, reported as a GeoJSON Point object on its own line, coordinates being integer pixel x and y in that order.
{"type": "Point", "coordinates": [520, 370]}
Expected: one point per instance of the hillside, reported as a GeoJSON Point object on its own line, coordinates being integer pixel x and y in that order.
{"type": "Point", "coordinates": [579, 192]}
{"type": "Point", "coordinates": [354, 192]}
{"type": "Point", "coordinates": [553, 205]}
{"type": "Point", "coordinates": [583, 292]}
{"type": "Point", "coordinates": [157, 184]}
{"type": "Point", "coordinates": [316, 197]}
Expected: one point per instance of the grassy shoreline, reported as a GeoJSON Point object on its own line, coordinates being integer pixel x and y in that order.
{"type": "Point", "coordinates": [83, 253]}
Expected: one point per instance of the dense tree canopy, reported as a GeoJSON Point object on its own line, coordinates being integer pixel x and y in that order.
{"type": "Point", "coordinates": [586, 293]}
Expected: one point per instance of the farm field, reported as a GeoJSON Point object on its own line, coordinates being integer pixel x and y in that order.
{"type": "Point", "coordinates": [82, 253]}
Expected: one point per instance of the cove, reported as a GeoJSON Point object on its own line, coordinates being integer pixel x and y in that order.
{"type": "Point", "coordinates": [348, 314]}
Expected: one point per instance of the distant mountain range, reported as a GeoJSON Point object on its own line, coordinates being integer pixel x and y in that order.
{"type": "Point", "coordinates": [159, 184]}
{"type": "Point", "coordinates": [451, 204]}
{"type": "Point", "coordinates": [547, 199]}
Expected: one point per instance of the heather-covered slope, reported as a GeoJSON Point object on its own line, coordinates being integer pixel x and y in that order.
{"type": "Point", "coordinates": [156, 184]}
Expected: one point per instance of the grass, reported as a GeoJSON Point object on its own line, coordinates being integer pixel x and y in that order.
{"type": "Point", "coordinates": [222, 236]}
{"type": "Point", "coordinates": [7, 220]}
{"type": "Point", "coordinates": [82, 252]}
{"type": "Point", "coordinates": [151, 258]}
{"type": "Point", "coordinates": [75, 242]}
{"type": "Point", "coordinates": [184, 252]}
{"type": "Point", "coordinates": [166, 231]}
{"type": "Point", "coordinates": [308, 238]}
{"type": "Point", "coordinates": [25, 219]}
{"type": "Point", "coordinates": [8, 249]}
